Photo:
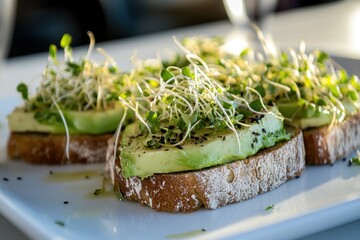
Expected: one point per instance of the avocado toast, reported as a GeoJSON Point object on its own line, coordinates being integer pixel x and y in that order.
{"type": "Point", "coordinates": [195, 144]}
{"type": "Point", "coordinates": [71, 115]}
{"type": "Point", "coordinates": [311, 91]}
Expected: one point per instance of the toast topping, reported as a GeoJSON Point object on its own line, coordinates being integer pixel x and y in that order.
{"type": "Point", "coordinates": [72, 97]}
{"type": "Point", "coordinates": [204, 148]}
{"type": "Point", "coordinates": [184, 102]}
{"type": "Point", "coordinates": [310, 90]}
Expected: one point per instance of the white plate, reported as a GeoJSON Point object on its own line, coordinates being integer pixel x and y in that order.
{"type": "Point", "coordinates": [321, 198]}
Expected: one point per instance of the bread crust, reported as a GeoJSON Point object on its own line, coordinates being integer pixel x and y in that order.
{"type": "Point", "coordinates": [326, 145]}
{"type": "Point", "coordinates": [216, 186]}
{"type": "Point", "coordinates": [38, 148]}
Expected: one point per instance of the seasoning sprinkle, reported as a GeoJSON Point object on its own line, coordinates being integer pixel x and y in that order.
{"type": "Point", "coordinates": [97, 191]}
{"type": "Point", "coordinates": [270, 207]}
{"type": "Point", "coordinates": [5, 179]}
{"type": "Point", "coordinates": [60, 223]}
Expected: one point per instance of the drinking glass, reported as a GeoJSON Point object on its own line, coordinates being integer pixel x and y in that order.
{"type": "Point", "coordinates": [246, 16]}
{"type": "Point", "coordinates": [7, 15]}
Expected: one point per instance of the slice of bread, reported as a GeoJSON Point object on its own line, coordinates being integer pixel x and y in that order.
{"type": "Point", "coordinates": [325, 145]}
{"type": "Point", "coordinates": [216, 186]}
{"type": "Point", "coordinates": [37, 148]}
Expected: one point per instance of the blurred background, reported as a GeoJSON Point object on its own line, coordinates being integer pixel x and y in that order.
{"type": "Point", "coordinates": [39, 23]}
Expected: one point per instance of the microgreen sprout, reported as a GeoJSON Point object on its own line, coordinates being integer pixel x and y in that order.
{"type": "Point", "coordinates": [355, 159]}
{"type": "Point", "coordinates": [270, 207]}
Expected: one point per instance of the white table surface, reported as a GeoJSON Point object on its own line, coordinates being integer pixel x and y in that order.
{"type": "Point", "coordinates": [332, 27]}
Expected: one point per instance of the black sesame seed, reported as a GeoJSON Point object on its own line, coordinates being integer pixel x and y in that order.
{"type": "Point", "coordinates": [263, 130]}
{"type": "Point", "coordinates": [19, 178]}
{"type": "Point", "coordinates": [297, 177]}
{"type": "Point", "coordinates": [87, 177]}
{"type": "Point", "coordinates": [97, 191]}
{"type": "Point", "coordinates": [166, 149]}
{"type": "Point", "coordinates": [5, 179]}
{"type": "Point", "coordinates": [344, 159]}
{"type": "Point", "coordinates": [51, 172]}
{"type": "Point", "coordinates": [66, 202]}
{"type": "Point", "coordinates": [60, 223]}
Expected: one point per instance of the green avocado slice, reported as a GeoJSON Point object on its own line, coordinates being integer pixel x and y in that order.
{"type": "Point", "coordinates": [204, 149]}
{"type": "Point", "coordinates": [86, 122]}
{"type": "Point", "coordinates": [303, 114]}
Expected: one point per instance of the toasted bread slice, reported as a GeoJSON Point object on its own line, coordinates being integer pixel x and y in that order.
{"type": "Point", "coordinates": [49, 149]}
{"type": "Point", "coordinates": [325, 145]}
{"type": "Point", "coordinates": [216, 186]}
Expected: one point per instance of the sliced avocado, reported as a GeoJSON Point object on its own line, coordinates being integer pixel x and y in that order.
{"type": "Point", "coordinates": [302, 114]}
{"type": "Point", "coordinates": [87, 122]}
{"type": "Point", "coordinates": [304, 123]}
{"type": "Point", "coordinates": [297, 109]}
{"type": "Point", "coordinates": [94, 122]}
{"type": "Point", "coordinates": [21, 121]}
{"type": "Point", "coordinates": [204, 149]}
